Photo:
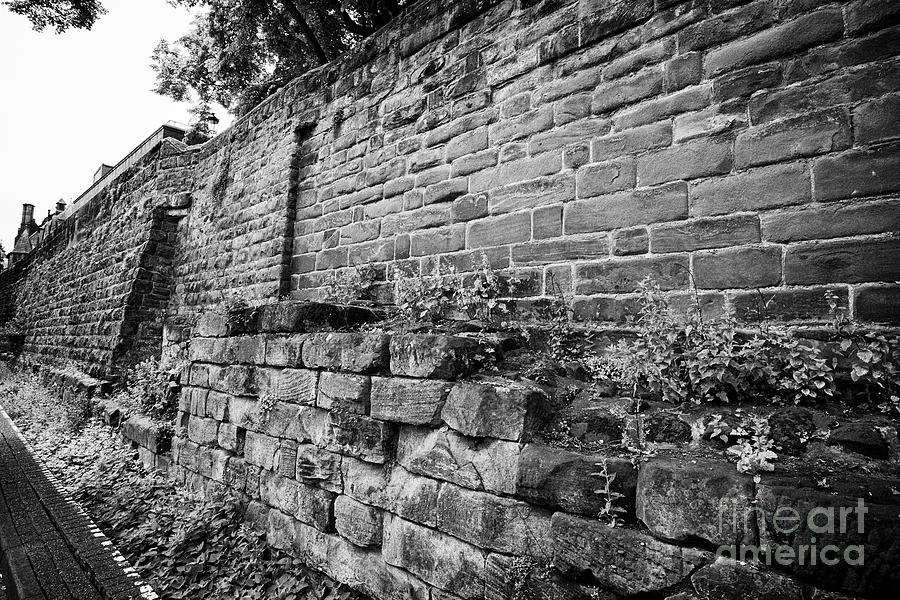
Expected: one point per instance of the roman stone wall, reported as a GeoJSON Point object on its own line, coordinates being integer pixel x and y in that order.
{"type": "Point", "coordinates": [390, 463]}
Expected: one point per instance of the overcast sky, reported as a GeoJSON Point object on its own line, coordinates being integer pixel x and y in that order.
{"type": "Point", "coordinates": [71, 101]}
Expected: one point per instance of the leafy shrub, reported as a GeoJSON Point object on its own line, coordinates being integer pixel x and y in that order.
{"type": "Point", "coordinates": [694, 359]}
{"type": "Point", "coordinates": [873, 359]}
{"type": "Point", "coordinates": [150, 388]}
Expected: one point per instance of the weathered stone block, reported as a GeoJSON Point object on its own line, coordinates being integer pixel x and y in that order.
{"type": "Point", "coordinates": [624, 275]}
{"type": "Point", "coordinates": [358, 436]}
{"type": "Point", "coordinates": [295, 386]}
{"type": "Point", "coordinates": [563, 479]}
{"type": "Point", "coordinates": [398, 491]}
{"type": "Point", "coordinates": [354, 352]}
{"type": "Point", "coordinates": [491, 466]}
{"type": "Point", "coordinates": [842, 261]}
{"type": "Point", "coordinates": [259, 450]}
{"type": "Point", "coordinates": [731, 580]}
{"type": "Point", "coordinates": [359, 523]}
{"type": "Point", "coordinates": [285, 351]}
{"type": "Point", "coordinates": [604, 178]}
{"type": "Point", "coordinates": [680, 500]}
{"type": "Point", "coordinates": [698, 158]}
{"type": "Point", "coordinates": [623, 560]}
{"type": "Point", "coordinates": [492, 522]}
{"type": "Point", "coordinates": [752, 267]}
{"type": "Point", "coordinates": [806, 135]}
{"type": "Point", "coordinates": [344, 392]}
{"type": "Point", "coordinates": [497, 231]}
{"type": "Point", "coordinates": [857, 515]}
{"type": "Point", "coordinates": [705, 233]}
{"type": "Point", "coordinates": [436, 356]}
{"type": "Point", "coordinates": [439, 559]}
{"type": "Point", "coordinates": [410, 401]}
{"type": "Point", "coordinates": [212, 324]}
{"type": "Point", "coordinates": [757, 189]}
{"type": "Point", "coordinates": [815, 28]}
{"type": "Point", "coordinates": [318, 467]}
{"type": "Point", "coordinates": [203, 431]}
{"type": "Point", "coordinates": [495, 409]}
{"type": "Point", "coordinates": [857, 173]}
{"type": "Point", "coordinates": [625, 209]}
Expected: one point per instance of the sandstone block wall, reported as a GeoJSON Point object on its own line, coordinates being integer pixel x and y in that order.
{"type": "Point", "coordinates": [90, 292]}
{"type": "Point", "coordinates": [388, 463]}
{"type": "Point", "coordinates": [733, 145]}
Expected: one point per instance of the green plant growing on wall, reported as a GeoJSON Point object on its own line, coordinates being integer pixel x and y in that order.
{"type": "Point", "coordinates": [151, 388]}
{"type": "Point", "coordinates": [346, 286]}
{"type": "Point", "coordinates": [262, 412]}
{"type": "Point", "coordinates": [689, 358]}
{"type": "Point", "coordinates": [485, 295]}
{"type": "Point", "coordinates": [748, 441]}
{"type": "Point", "coordinates": [872, 357]}
{"type": "Point", "coordinates": [557, 314]}
{"type": "Point", "coordinates": [610, 513]}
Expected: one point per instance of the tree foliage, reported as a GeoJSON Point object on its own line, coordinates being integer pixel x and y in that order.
{"type": "Point", "coordinates": [59, 14]}
{"type": "Point", "coordinates": [240, 51]}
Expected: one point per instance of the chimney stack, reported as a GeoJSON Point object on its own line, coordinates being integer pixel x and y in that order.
{"type": "Point", "coordinates": [27, 217]}
{"type": "Point", "coordinates": [60, 205]}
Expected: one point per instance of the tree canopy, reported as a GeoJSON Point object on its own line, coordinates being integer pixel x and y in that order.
{"type": "Point", "coordinates": [59, 14]}
{"type": "Point", "coordinates": [240, 51]}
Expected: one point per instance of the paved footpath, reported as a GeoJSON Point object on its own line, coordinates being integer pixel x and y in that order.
{"type": "Point", "coordinates": [49, 548]}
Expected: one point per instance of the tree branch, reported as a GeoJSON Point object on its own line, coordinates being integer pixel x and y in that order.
{"type": "Point", "coordinates": [307, 31]}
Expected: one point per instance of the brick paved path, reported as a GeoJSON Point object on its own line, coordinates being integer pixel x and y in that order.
{"type": "Point", "coordinates": [49, 548]}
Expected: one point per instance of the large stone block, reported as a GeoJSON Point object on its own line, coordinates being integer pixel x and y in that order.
{"type": "Point", "coordinates": [496, 409]}
{"type": "Point", "coordinates": [439, 559]}
{"type": "Point", "coordinates": [344, 392]}
{"type": "Point", "coordinates": [259, 450]}
{"type": "Point", "coordinates": [683, 500]}
{"type": "Point", "coordinates": [566, 480]}
{"type": "Point", "coordinates": [492, 522]}
{"type": "Point", "coordinates": [354, 352]}
{"type": "Point", "coordinates": [200, 430]}
{"type": "Point", "coordinates": [396, 490]}
{"type": "Point", "coordinates": [620, 559]}
{"type": "Point", "coordinates": [410, 401]}
{"type": "Point", "coordinates": [285, 351]}
{"type": "Point", "coordinates": [505, 580]}
{"type": "Point", "coordinates": [358, 436]}
{"type": "Point", "coordinates": [842, 261]}
{"type": "Point", "coordinates": [435, 356]}
{"type": "Point", "coordinates": [295, 386]}
{"type": "Point", "coordinates": [852, 525]}
{"type": "Point", "coordinates": [317, 467]}
{"type": "Point", "coordinates": [728, 579]}
{"type": "Point", "coordinates": [491, 465]}
{"type": "Point", "coordinates": [359, 523]}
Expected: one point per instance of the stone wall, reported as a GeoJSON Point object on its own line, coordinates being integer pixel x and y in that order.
{"type": "Point", "coordinates": [738, 146]}
{"type": "Point", "coordinates": [747, 148]}
{"type": "Point", "coordinates": [88, 295]}
{"type": "Point", "coordinates": [391, 465]}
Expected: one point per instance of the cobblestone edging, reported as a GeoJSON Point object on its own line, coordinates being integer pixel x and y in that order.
{"type": "Point", "coordinates": [50, 547]}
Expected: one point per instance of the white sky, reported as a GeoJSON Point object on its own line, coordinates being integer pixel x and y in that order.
{"type": "Point", "coordinates": [71, 101]}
